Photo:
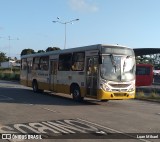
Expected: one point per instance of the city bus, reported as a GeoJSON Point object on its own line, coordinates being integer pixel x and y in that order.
{"type": "Point", "coordinates": [102, 72]}
{"type": "Point", "coordinates": [144, 74]}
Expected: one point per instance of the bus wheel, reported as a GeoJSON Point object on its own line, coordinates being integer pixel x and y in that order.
{"type": "Point", "coordinates": [76, 94]}
{"type": "Point", "coordinates": [35, 86]}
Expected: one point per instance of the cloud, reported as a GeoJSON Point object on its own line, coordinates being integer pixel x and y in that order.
{"type": "Point", "coordinates": [83, 5]}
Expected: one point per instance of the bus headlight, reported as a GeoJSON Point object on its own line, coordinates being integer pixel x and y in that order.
{"type": "Point", "coordinates": [105, 87]}
{"type": "Point", "coordinates": [132, 88]}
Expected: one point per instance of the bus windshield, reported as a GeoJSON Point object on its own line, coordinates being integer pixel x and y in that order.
{"type": "Point", "coordinates": [118, 67]}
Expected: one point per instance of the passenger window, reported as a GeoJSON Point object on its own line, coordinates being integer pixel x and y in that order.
{"type": "Point", "coordinates": [44, 63]}
{"type": "Point", "coordinates": [78, 61]}
{"type": "Point", "coordinates": [64, 62]}
{"type": "Point", "coordinates": [36, 63]}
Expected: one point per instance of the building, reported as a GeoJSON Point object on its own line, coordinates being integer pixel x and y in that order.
{"type": "Point", "coordinates": [10, 63]}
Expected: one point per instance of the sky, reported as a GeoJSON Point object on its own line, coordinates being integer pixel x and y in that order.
{"type": "Point", "coordinates": [28, 24]}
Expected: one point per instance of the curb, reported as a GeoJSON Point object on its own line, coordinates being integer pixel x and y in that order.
{"type": "Point", "coordinates": [149, 100]}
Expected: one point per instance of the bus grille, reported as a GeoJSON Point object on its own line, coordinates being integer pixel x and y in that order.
{"type": "Point", "coordinates": [119, 90]}
{"type": "Point", "coordinates": [119, 85]}
{"type": "Point", "coordinates": [120, 94]}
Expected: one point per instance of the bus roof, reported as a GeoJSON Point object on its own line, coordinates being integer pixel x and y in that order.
{"type": "Point", "coordinates": [76, 49]}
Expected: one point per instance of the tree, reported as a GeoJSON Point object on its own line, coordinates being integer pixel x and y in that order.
{"type": "Point", "coordinates": [40, 51]}
{"type": "Point", "coordinates": [3, 57]}
{"type": "Point", "coordinates": [27, 51]}
{"type": "Point", "coordinates": [52, 49]}
{"type": "Point", "coordinates": [153, 59]}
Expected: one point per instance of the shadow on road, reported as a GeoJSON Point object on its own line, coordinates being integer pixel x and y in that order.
{"type": "Point", "coordinates": [27, 96]}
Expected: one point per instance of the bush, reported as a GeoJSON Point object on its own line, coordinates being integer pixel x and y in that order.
{"type": "Point", "coordinates": [140, 94]}
{"type": "Point", "coordinates": [154, 95]}
{"type": "Point", "coordinates": [2, 76]}
{"type": "Point", "coordinates": [150, 95]}
{"type": "Point", "coordinates": [15, 70]}
{"type": "Point", "coordinates": [17, 77]}
{"type": "Point", "coordinates": [9, 76]}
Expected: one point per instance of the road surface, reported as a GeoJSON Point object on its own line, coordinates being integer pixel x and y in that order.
{"type": "Point", "coordinates": [54, 117]}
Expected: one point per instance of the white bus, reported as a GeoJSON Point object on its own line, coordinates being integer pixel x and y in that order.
{"type": "Point", "coordinates": [103, 72]}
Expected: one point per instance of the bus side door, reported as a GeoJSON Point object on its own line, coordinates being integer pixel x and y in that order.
{"type": "Point", "coordinates": [29, 71]}
{"type": "Point", "coordinates": [53, 74]}
{"type": "Point", "coordinates": [91, 76]}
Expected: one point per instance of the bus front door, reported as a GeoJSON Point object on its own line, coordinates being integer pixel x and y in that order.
{"type": "Point", "coordinates": [91, 76]}
{"type": "Point", "coordinates": [53, 75]}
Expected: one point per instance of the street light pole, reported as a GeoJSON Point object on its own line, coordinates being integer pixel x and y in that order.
{"type": "Point", "coordinates": [65, 36]}
{"type": "Point", "coordinates": [65, 24]}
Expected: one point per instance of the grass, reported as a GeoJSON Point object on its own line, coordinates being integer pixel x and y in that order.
{"type": "Point", "coordinates": [8, 74]}
{"type": "Point", "coordinates": [140, 94]}
{"type": "Point", "coordinates": [9, 70]}
{"type": "Point", "coordinates": [154, 94]}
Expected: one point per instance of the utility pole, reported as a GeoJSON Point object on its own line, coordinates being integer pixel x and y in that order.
{"type": "Point", "coordinates": [9, 44]}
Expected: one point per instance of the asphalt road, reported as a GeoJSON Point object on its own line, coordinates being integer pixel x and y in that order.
{"type": "Point", "coordinates": [54, 117]}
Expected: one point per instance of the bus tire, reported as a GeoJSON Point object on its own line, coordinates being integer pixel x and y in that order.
{"type": "Point", "coordinates": [76, 93]}
{"type": "Point", "coordinates": [35, 86]}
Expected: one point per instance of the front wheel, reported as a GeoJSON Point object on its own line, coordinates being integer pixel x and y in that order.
{"type": "Point", "coordinates": [76, 94]}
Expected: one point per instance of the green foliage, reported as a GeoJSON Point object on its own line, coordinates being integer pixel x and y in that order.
{"type": "Point", "coordinates": [152, 95]}
{"type": "Point", "coordinates": [8, 70]}
{"type": "Point", "coordinates": [31, 51]}
{"type": "Point", "coordinates": [153, 59]}
{"type": "Point", "coordinates": [40, 51]}
{"type": "Point", "coordinates": [144, 60]}
{"type": "Point", "coordinates": [3, 57]}
{"type": "Point", "coordinates": [27, 51]}
{"type": "Point", "coordinates": [52, 49]}
{"type": "Point", "coordinates": [10, 76]}
{"type": "Point", "coordinates": [140, 94]}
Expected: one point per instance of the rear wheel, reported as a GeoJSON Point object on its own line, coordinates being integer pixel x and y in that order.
{"type": "Point", "coordinates": [35, 86]}
{"type": "Point", "coordinates": [76, 94]}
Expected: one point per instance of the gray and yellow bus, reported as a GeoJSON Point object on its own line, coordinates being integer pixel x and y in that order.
{"type": "Point", "coordinates": [102, 72]}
